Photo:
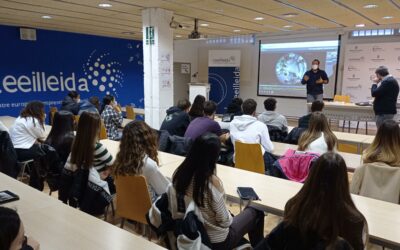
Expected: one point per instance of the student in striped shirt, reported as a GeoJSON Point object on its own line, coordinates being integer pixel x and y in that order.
{"type": "Point", "coordinates": [196, 178]}
{"type": "Point", "coordinates": [89, 154]}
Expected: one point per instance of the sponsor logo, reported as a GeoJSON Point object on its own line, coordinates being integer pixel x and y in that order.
{"type": "Point", "coordinates": [357, 59]}
{"type": "Point", "coordinates": [359, 86]}
{"type": "Point", "coordinates": [352, 68]}
{"type": "Point", "coordinates": [378, 59]}
{"type": "Point", "coordinates": [377, 48]}
{"type": "Point", "coordinates": [355, 49]}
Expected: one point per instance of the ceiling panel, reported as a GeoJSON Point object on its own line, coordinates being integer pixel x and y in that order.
{"type": "Point", "coordinates": [222, 16]}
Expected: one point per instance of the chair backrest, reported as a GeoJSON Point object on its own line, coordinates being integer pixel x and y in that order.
{"type": "Point", "coordinates": [53, 110]}
{"type": "Point", "coordinates": [130, 112]}
{"type": "Point", "coordinates": [248, 156]}
{"type": "Point", "coordinates": [133, 198]}
{"type": "Point", "coordinates": [342, 98]}
{"type": "Point", "coordinates": [103, 132]}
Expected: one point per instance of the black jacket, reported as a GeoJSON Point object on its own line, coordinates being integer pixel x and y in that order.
{"type": "Point", "coordinates": [385, 96]}
{"type": "Point", "coordinates": [304, 121]}
{"type": "Point", "coordinates": [176, 121]}
{"type": "Point", "coordinates": [314, 88]}
{"type": "Point", "coordinates": [8, 156]}
{"type": "Point", "coordinates": [68, 104]}
{"type": "Point", "coordinates": [63, 146]}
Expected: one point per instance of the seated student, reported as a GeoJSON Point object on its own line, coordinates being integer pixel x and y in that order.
{"type": "Point", "coordinates": [71, 102]}
{"type": "Point", "coordinates": [202, 125]}
{"type": "Point", "coordinates": [321, 212]}
{"type": "Point", "coordinates": [235, 107]}
{"type": "Point", "coordinates": [316, 106]}
{"type": "Point", "coordinates": [197, 109]}
{"type": "Point", "coordinates": [318, 138]}
{"type": "Point", "coordinates": [12, 232]}
{"type": "Point", "coordinates": [272, 118]}
{"type": "Point", "coordinates": [61, 134]}
{"type": "Point", "coordinates": [28, 131]}
{"type": "Point", "coordinates": [138, 155]}
{"type": "Point", "coordinates": [91, 105]}
{"type": "Point", "coordinates": [379, 176]}
{"type": "Point", "coordinates": [196, 178]}
{"type": "Point", "coordinates": [91, 156]}
{"type": "Point", "coordinates": [112, 117]}
{"type": "Point", "coordinates": [177, 119]}
{"type": "Point", "coordinates": [246, 128]}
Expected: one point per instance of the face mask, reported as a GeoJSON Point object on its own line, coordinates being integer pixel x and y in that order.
{"type": "Point", "coordinates": [315, 66]}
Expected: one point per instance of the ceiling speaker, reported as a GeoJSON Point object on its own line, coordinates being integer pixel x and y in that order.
{"type": "Point", "coordinates": [27, 34]}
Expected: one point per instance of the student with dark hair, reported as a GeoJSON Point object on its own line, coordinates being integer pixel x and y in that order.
{"type": "Point", "coordinates": [235, 107]}
{"type": "Point", "coordinates": [71, 102]}
{"type": "Point", "coordinates": [93, 157]}
{"type": "Point", "coordinates": [272, 118]}
{"type": "Point", "coordinates": [315, 78]}
{"type": "Point", "coordinates": [61, 134]}
{"type": "Point", "coordinates": [196, 179]}
{"type": "Point", "coordinates": [12, 232]}
{"type": "Point", "coordinates": [197, 108]}
{"type": "Point", "coordinates": [316, 106]}
{"type": "Point", "coordinates": [318, 138]}
{"type": "Point", "coordinates": [91, 105]}
{"type": "Point", "coordinates": [205, 124]}
{"type": "Point", "coordinates": [321, 213]}
{"type": "Point", "coordinates": [112, 117]}
{"type": "Point", "coordinates": [177, 119]}
{"type": "Point", "coordinates": [28, 131]}
{"type": "Point", "coordinates": [385, 90]}
{"type": "Point", "coordinates": [138, 155]}
{"type": "Point", "coordinates": [246, 128]}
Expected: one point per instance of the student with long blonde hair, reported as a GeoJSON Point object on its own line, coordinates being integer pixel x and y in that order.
{"type": "Point", "coordinates": [138, 156]}
{"type": "Point", "coordinates": [318, 138]}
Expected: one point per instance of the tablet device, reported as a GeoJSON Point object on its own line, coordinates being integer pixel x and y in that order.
{"type": "Point", "coordinates": [247, 193]}
{"type": "Point", "coordinates": [7, 196]}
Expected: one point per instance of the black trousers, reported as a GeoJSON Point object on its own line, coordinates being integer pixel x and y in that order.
{"type": "Point", "coordinates": [33, 153]}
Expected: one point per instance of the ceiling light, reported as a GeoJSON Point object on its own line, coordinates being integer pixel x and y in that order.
{"type": "Point", "coordinates": [387, 17]}
{"type": "Point", "coordinates": [46, 17]}
{"type": "Point", "coordinates": [236, 30]}
{"type": "Point", "coordinates": [370, 6]}
{"type": "Point", "coordinates": [105, 5]}
{"type": "Point", "coordinates": [178, 36]}
{"type": "Point", "coordinates": [219, 10]}
{"type": "Point", "coordinates": [259, 18]}
{"type": "Point", "coordinates": [289, 15]}
{"type": "Point", "coordinates": [287, 26]}
{"type": "Point", "coordinates": [360, 25]}
{"type": "Point", "coordinates": [128, 33]}
{"type": "Point", "coordinates": [204, 25]}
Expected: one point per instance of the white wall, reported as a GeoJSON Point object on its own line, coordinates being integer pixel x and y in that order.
{"type": "Point", "coordinates": [196, 52]}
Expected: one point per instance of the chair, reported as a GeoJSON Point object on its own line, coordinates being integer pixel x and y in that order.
{"type": "Point", "coordinates": [248, 156]}
{"type": "Point", "coordinates": [53, 110]}
{"type": "Point", "coordinates": [103, 132]}
{"type": "Point", "coordinates": [132, 199]}
{"type": "Point", "coordinates": [130, 112]}
{"type": "Point", "coordinates": [345, 99]}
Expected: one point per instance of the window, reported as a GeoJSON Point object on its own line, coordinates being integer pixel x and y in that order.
{"type": "Point", "coordinates": [374, 32]}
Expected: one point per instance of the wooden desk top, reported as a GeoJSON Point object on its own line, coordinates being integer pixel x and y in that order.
{"type": "Point", "coordinates": [344, 105]}
{"type": "Point", "coordinates": [58, 226]}
{"type": "Point", "coordinates": [8, 121]}
{"type": "Point", "coordinates": [138, 111]}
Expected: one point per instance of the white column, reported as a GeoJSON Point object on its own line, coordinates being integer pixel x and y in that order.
{"type": "Point", "coordinates": [157, 64]}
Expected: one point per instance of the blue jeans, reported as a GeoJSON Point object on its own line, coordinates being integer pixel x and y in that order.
{"type": "Point", "coordinates": [379, 119]}
{"type": "Point", "coordinates": [312, 98]}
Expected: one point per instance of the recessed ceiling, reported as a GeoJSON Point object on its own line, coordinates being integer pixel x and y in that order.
{"type": "Point", "coordinates": [224, 17]}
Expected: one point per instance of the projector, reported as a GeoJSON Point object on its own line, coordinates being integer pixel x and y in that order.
{"type": "Point", "coordinates": [195, 35]}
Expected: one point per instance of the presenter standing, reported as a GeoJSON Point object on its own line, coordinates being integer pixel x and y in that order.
{"type": "Point", "coordinates": [385, 89]}
{"type": "Point", "coordinates": [315, 78]}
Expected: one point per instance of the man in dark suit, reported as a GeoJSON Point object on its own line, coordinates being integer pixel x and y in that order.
{"type": "Point", "coordinates": [385, 89]}
{"type": "Point", "coordinates": [314, 79]}
{"type": "Point", "coordinates": [316, 106]}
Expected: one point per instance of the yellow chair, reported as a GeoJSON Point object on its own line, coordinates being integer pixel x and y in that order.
{"type": "Point", "coordinates": [132, 198]}
{"type": "Point", "coordinates": [103, 132]}
{"type": "Point", "coordinates": [248, 156]}
{"type": "Point", "coordinates": [130, 112]}
{"type": "Point", "coordinates": [53, 110]}
{"type": "Point", "coordinates": [345, 99]}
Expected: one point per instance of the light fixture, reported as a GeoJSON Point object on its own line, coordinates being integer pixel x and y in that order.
{"type": "Point", "coordinates": [387, 17]}
{"type": "Point", "coordinates": [289, 15]}
{"type": "Point", "coordinates": [360, 25]}
{"type": "Point", "coordinates": [178, 36]}
{"type": "Point", "coordinates": [219, 10]}
{"type": "Point", "coordinates": [204, 25]}
{"type": "Point", "coordinates": [128, 33]}
{"type": "Point", "coordinates": [370, 6]}
{"type": "Point", "coordinates": [287, 26]}
{"type": "Point", "coordinates": [259, 18]}
{"type": "Point", "coordinates": [236, 30]}
{"type": "Point", "coordinates": [46, 17]}
{"type": "Point", "coordinates": [105, 5]}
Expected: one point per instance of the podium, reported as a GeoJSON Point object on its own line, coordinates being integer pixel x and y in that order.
{"type": "Point", "coordinates": [198, 89]}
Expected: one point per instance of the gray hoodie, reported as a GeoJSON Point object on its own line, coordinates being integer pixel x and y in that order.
{"type": "Point", "coordinates": [272, 118]}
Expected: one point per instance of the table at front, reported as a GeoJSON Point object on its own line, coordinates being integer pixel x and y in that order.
{"type": "Point", "coordinates": [8, 121]}
{"type": "Point", "coordinates": [58, 226]}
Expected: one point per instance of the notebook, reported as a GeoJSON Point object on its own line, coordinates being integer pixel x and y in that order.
{"type": "Point", "coordinates": [247, 193]}
{"type": "Point", "coordinates": [7, 196]}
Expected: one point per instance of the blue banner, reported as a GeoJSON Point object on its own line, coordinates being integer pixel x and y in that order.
{"type": "Point", "coordinates": [224, 77]}
{"type": "Point", "coordinates": [58, 62]}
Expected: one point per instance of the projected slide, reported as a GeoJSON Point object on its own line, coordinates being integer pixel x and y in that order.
{"type": "Point", "coordinates": [282, 66]}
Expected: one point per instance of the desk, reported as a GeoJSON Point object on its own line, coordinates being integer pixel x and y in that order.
{"type": "Point", "coordinates": [8, 121]}
{"type": "Point", "coordinates": [58, 226]}
{"type": "Point", "coordinates": [138, 111]}
{"type": "Point", "coordinates": [125, 122]}
{"type": "Point", "coordinates": [383, 218]}
{"type": "Point", "coordinates": [347, 111]}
